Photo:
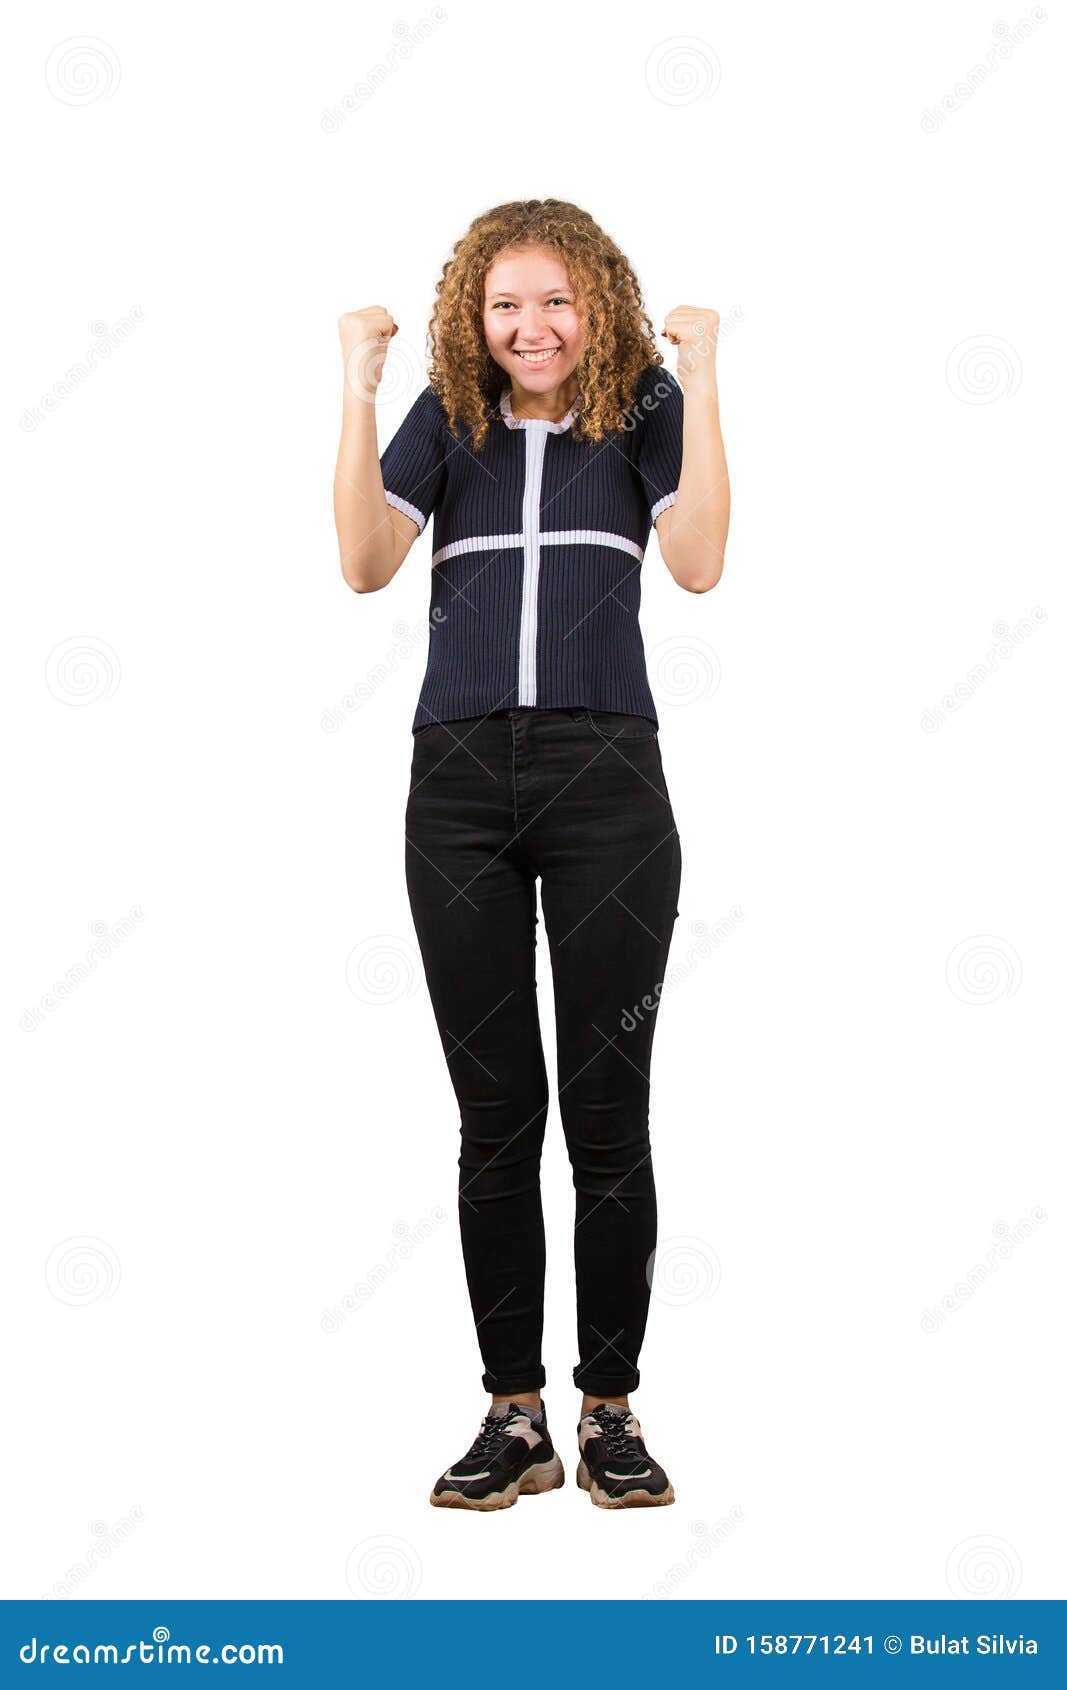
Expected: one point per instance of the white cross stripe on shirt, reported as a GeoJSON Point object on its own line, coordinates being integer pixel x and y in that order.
{"type": "Point", "coordinates": [548, 537]}
{"type": "Point", "coordinates": [531, 537]}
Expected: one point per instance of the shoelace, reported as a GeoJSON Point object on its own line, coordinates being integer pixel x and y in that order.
{"type": "Point", "coordinates": [491, 1435]}
{"type": "Point", "coordinates": [613, 1427]}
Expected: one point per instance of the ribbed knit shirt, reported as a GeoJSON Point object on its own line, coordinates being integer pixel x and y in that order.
{"type": "Point", "coordinates": [538, 539]}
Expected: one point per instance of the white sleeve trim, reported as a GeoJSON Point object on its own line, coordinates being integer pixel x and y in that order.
{"type": "Point", "coordinates": [402, 505]}
{"type": "Point", "coordinates": [662, 504]}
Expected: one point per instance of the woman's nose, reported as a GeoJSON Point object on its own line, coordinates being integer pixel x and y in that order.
{"type": "Point", "coordinates": [531, 324]}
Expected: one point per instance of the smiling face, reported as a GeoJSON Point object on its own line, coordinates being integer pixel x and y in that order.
{"type": "Point", "coordinates": [532, 324]}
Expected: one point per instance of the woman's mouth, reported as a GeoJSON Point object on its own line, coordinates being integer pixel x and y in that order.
{"type": "Point", "coordinates": [538, 359]}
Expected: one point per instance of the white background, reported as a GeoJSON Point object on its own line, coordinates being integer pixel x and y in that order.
{"type": "Point", "coordinates": [230, 1123]}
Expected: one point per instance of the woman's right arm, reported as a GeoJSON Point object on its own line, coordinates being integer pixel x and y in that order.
{"type": "Point", "coordinates": [373, 537]}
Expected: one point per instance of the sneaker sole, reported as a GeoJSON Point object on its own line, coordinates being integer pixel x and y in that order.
{"type": "Point", "coordinates": [542, 1476]}
{"type": "Point", "coordinates": [629, 1499]}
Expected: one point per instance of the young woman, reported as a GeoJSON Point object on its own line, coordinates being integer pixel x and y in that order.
{"type": "Point", "coordinates": [547, 443]}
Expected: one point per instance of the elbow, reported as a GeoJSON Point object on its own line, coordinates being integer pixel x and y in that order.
{"type": "Point", "coordinates": [363, 575]}
{"type": "Point", "coordinates": [706, 568]}
{"type": "Point", "coordinates": [698, 575]}
{"type": "Point", "coordinates": [704, 582]}
{"type": "Point", "coordinates": [353, 577]}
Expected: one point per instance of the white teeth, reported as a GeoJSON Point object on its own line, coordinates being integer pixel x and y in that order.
{"type": "Point", "coordinates": [539, 357]}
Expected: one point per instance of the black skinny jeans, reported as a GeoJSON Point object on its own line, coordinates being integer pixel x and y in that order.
{"type": "Point", "coordinates": [578, 798]}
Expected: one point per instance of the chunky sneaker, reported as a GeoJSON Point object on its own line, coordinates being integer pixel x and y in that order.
{"type": "Point", "coordinates": [616, 1468]}
{"type": "Point", "coordinates": [511, 1456]}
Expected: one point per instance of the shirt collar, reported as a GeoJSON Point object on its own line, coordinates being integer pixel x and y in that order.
{"type": "Point", "coordinates": [534, 422]}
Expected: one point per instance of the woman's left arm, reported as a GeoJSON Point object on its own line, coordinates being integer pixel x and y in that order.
{"type": "Point", "coordinates": [692, 531]}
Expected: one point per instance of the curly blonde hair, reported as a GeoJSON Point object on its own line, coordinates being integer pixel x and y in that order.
{"type": "Point", "coordinates": [620, 341]}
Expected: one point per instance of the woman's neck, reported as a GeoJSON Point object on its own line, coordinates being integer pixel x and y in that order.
{"type": "Point", "coordinates": [544, 407]}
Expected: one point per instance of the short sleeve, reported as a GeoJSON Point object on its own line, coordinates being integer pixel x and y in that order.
{"type": "Point", "coordinates": [413, 463]}
{"type": "Point", "coordinates": [657, 413]}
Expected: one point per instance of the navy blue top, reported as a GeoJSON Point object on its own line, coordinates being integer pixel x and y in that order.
{"type": "Point", "coordinates": [537, 546]}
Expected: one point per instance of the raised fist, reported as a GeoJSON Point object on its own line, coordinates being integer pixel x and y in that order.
{"type": "Point", "coordinates": [365, 337]}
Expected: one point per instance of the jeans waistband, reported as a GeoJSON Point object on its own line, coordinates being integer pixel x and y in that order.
{"type": "Point", "coordinates": [571, 712]}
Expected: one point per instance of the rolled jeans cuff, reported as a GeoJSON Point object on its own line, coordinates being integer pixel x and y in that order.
{"type": "Point", "coordinates": [595, 1383]}
{"type": "Point", "coordinates": [504, 1384]}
